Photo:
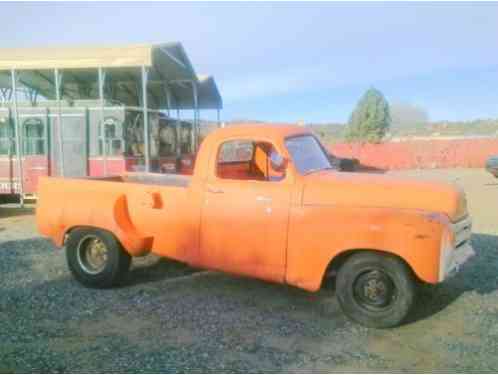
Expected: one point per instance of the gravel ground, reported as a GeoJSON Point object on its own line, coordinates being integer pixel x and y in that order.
{"type": "Point", "coordinates": [171, 318]}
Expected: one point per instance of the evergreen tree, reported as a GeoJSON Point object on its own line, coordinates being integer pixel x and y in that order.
{"type": "Point", "coordinates": [370, 120]}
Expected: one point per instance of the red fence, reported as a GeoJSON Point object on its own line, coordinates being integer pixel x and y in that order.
{"type": "Point", "coordinates": [448, 153]}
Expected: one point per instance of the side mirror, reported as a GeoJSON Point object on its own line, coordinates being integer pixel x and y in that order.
{"type": "Point", "coordinates": [343, 164]}
{"type": "Point", "coordinates": [348, 165]}
{"type": "Point", "coordinates": [278, 162]}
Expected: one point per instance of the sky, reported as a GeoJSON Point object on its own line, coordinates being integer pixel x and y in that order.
{"type": "Point", "coordinates": [300, 61]}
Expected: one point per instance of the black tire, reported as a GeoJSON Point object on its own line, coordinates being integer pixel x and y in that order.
{"type": "Point", "coordinates": [112, 269]}
{"type": "Point", "coordinates": [376, 290]}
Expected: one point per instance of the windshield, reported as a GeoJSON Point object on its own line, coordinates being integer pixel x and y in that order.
{"type": "Point", "coordinates": [307, 154]}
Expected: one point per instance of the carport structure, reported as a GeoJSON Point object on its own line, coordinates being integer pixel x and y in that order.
{"type": "Point", "coordinates": [146, 84]}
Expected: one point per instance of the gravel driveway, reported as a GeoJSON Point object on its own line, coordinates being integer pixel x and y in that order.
{"type": "Point", "coordinates": [172, 318]}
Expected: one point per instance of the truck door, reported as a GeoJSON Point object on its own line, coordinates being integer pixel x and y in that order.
{"type": "Point", "coordinates": [245, 213]}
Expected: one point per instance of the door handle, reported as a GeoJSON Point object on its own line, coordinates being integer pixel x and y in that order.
{"type": "Point", "coordinates": [214, 190]}
{"type": "Point", "coordinates": [262, 198]}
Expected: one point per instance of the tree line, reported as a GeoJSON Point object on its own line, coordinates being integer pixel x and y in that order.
{"type": "Point", "coordinates": [374, 120]}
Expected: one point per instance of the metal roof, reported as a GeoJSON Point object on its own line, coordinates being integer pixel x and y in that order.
{"type": "Point", "coordinates": [209, 96]}
{"type": "Point", "coordinates": [168, 64]}
{"type": "Point", "coordinates": [92, 57]}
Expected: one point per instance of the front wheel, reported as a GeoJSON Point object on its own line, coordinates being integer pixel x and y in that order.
{"type": "Point", "coordinates": [375, 290]}
{"type": "Point", "coordinates": [96, 258]}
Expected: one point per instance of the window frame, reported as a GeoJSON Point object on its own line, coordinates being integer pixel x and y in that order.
{"type": "Point", "coordinates": [34, 140]}
{"type": "Point", "coordinates": [108, 141]}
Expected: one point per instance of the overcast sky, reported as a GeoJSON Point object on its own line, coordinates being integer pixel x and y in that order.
{"type": "Point", "coordinates": [298, 61]}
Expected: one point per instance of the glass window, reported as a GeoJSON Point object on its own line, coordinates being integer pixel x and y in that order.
{"type": "Point", "coordinates": [114, 143]}
{"type": "Point", "coordinates": [247, 160]}
{"type": "Point", "coordinates": [34, 136]}
{"type": "Point", "coordinates": [307, 154]}
{"type": "Point", "coordinates": [236, 152]}
{"type": "Point", "coordinates": [6, 136]}
{"type": "Point", "coordinates": [113, 147]}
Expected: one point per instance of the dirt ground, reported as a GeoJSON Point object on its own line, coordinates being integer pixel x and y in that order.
{"type": "Point", "coordinates": [171, 318]}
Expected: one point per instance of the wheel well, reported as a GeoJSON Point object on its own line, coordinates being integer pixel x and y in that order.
{"type": "Point", "coordinates": [68, 232]}
{"type": "Point", "coordinates": [141, 249]}
{"type": "Point", "coordinates": [336, 262]}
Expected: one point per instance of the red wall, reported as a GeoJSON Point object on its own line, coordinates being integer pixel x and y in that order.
{"type": "Point", "coordinates": [466, 153]}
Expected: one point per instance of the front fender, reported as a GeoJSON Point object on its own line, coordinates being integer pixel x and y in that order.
{"type": "Point", "coordinates": [319, 234]}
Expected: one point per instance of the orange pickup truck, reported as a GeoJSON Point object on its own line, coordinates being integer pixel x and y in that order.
{"type": "Point", "coordinates": [266, 202]}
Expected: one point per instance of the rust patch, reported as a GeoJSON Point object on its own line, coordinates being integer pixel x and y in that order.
{"type": "Point", "coordinates": [421, 236]}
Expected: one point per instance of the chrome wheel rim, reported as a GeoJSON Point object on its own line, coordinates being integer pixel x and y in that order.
{"type": "Point", "coordinates": [92, 254]}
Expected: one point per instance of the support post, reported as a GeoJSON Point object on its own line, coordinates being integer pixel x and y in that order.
{"type": "Point", "coordinates": [218, 118]}
{"type": "Point", "coordinates": [17, 132]}
{"type": "Point", "coordinates": [179, 131]}
{"type": "Point", "coordinates": [195, 126]}
{"type": "Point", "coordinates": [146, 118]}
{"type": "Point", "coordinates": [102, 118]}
{"type": "Point", "coordinates": [178, 151]}
{"type": "Point", "coordinates": [168, 98]}
{"type": "Point", "coordinates": [60, 131]}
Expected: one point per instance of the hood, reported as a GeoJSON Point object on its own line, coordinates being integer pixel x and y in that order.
{"type": "Point", "coordinates": [370, 190]}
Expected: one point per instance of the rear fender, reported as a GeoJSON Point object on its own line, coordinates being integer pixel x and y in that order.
{"type": "Point", "coordinates": [105, 211]}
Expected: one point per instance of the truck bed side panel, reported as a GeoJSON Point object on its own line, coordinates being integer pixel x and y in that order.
{"type": "Point", "coordinates": [143, 217]}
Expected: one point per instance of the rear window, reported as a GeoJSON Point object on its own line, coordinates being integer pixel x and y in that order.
{"type": "Point", "coordinates": [236, 152]}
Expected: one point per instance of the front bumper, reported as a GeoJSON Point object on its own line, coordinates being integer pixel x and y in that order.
{"type": "Point", "coordinates": [456, 248]}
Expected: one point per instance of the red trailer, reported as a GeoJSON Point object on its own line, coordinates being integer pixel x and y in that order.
{"type": "Point", "coordinates": [98, 111]}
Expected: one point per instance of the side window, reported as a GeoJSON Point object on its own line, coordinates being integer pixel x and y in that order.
{"type": "Point", "coordinates": [236, 152]}
{"type": "Point", "coordinates": [246, 160]}
{"type": "Point", "coordinates": [114, 142]}
{"type": "Point", "coordinates": [34, 137]}
{"type": "Point", "coordinates": [6, 136]}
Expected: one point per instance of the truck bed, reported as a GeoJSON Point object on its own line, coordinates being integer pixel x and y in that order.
{"type": "Point", "coordinates": [132, 206]}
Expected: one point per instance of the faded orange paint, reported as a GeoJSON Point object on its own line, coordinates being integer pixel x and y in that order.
{"type": "Point", "coordinates": [286, 231]}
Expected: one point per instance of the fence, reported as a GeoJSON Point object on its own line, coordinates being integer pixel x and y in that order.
{"type": "Point", "coordinates": [420, 154]}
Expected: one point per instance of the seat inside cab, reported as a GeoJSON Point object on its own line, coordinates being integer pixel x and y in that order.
{"type": "Point", "coordinates": [246, 160]}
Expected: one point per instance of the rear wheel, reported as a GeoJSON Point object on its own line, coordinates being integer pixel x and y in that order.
{"type": "Point", "coordinates": [375, 290]}
{"type": "Point", "coordinates": [96, 258]}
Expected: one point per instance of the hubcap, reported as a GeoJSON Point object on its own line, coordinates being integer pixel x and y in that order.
{"type": "Point", "coordinates": [374, 290]}
{"type": "Point", "coordinates": [92, 254]}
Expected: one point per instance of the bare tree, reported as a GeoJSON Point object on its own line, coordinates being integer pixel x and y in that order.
{"type": "Point", "coordinates": [408, 115]}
